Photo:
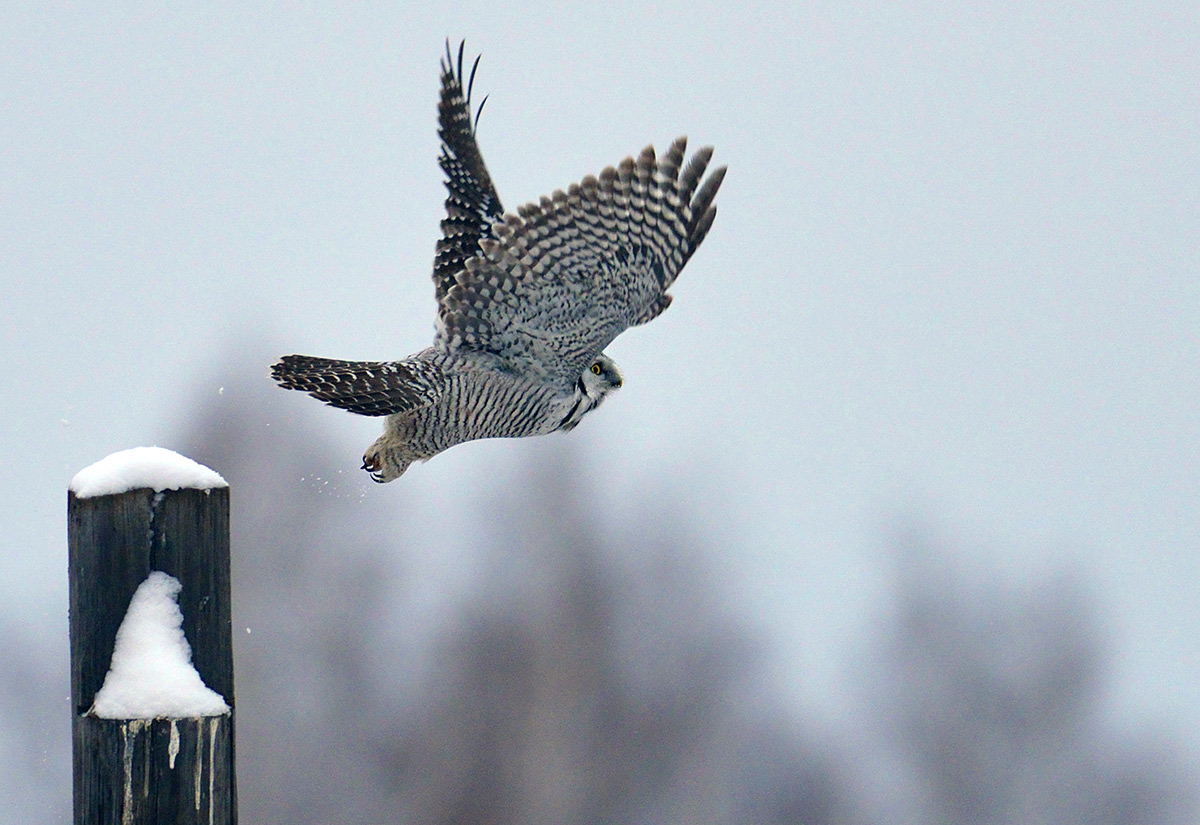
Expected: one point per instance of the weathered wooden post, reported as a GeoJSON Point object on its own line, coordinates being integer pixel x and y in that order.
{"type": "Point", "coordinates": [132, 514]}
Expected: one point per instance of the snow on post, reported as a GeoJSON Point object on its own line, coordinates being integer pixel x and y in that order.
{"type": "Point", "coordinates": [151, 675]}
{"type": "Point", "coordinates": [151, 468]}
{"type": "Point", "coordinates": [151, 642]}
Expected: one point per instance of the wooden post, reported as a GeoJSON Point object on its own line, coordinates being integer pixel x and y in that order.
{"type": "Point", "coordinates": [151, 770]}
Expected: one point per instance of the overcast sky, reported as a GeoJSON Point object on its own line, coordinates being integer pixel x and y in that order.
{"type": "Point", "coordinates": [953, 281]}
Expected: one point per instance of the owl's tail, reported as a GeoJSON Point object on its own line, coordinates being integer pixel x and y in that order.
{"type": "Point", "coordinates": [363, 387]}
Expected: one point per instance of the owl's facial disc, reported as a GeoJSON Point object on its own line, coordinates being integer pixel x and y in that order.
{"type": "Point", "coordinates": [602, 377]}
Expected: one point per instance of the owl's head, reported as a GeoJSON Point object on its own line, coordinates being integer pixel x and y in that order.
{"type": "Point", "coordinates": [600, 378]}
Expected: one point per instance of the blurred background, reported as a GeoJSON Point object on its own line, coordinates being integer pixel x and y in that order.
{"type": "Point", "coordinates": [894, 521]}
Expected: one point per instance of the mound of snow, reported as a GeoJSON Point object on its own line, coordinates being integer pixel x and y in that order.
{"type": "Point", "coordinates": [151, 675]}
{"type": "Point", "coordinates": [143, 467]}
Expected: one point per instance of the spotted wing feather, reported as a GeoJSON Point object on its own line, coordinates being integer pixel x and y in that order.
{"type": "Point", "coordinates": [471, 200]}
{"type": "Point", "coordinates": [555, 283]}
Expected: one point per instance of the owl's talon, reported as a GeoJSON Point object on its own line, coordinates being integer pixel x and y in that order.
{"type": "Point", "coordinates": [375, 468]}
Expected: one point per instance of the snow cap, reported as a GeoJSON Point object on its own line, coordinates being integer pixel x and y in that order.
{"type": "Point", "coordinates": [143, 467]}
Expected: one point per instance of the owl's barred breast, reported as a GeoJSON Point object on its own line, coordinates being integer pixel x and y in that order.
{"type": "Point", "coordinates": [483, 403]}
{"type": "Point", "coordinates": [473, 402]}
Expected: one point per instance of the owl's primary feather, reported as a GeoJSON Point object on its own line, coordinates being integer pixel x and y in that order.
{"type": "Point", "coordinates": [471, 200]}
{"type": "Point", "coordinates": [527, 302]}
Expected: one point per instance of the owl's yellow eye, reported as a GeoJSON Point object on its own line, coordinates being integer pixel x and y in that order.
{"type": "Point", "coordinates": [596, 369]}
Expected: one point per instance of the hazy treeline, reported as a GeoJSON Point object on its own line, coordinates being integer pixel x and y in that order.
{"type": "Point", "coordinates": [599, 674]}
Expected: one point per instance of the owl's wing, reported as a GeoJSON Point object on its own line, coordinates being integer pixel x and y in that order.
{"type": "Point", "coordinates": [471, 203]}
{"type": "Point", "coordinates": [553, 285]}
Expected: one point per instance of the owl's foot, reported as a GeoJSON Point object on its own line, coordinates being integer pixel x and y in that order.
{"type": "Point", "coordinates": [375, 467]}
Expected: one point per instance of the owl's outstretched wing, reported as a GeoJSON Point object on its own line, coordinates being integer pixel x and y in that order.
{"type": "Point", "coordinates": [471, 201]}
{"type": "Point", "coordinates": [553, 285]}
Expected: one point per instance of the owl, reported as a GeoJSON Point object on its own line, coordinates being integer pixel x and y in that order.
{"type": "Point", "coordinates": [526, 302]}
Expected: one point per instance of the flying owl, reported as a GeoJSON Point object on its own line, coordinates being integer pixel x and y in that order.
{"type": "Point", "coordinates": [526, 302]}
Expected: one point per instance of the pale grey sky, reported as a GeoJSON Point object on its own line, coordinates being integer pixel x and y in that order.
{"type": "Point", "coordinates": [953, 279]}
